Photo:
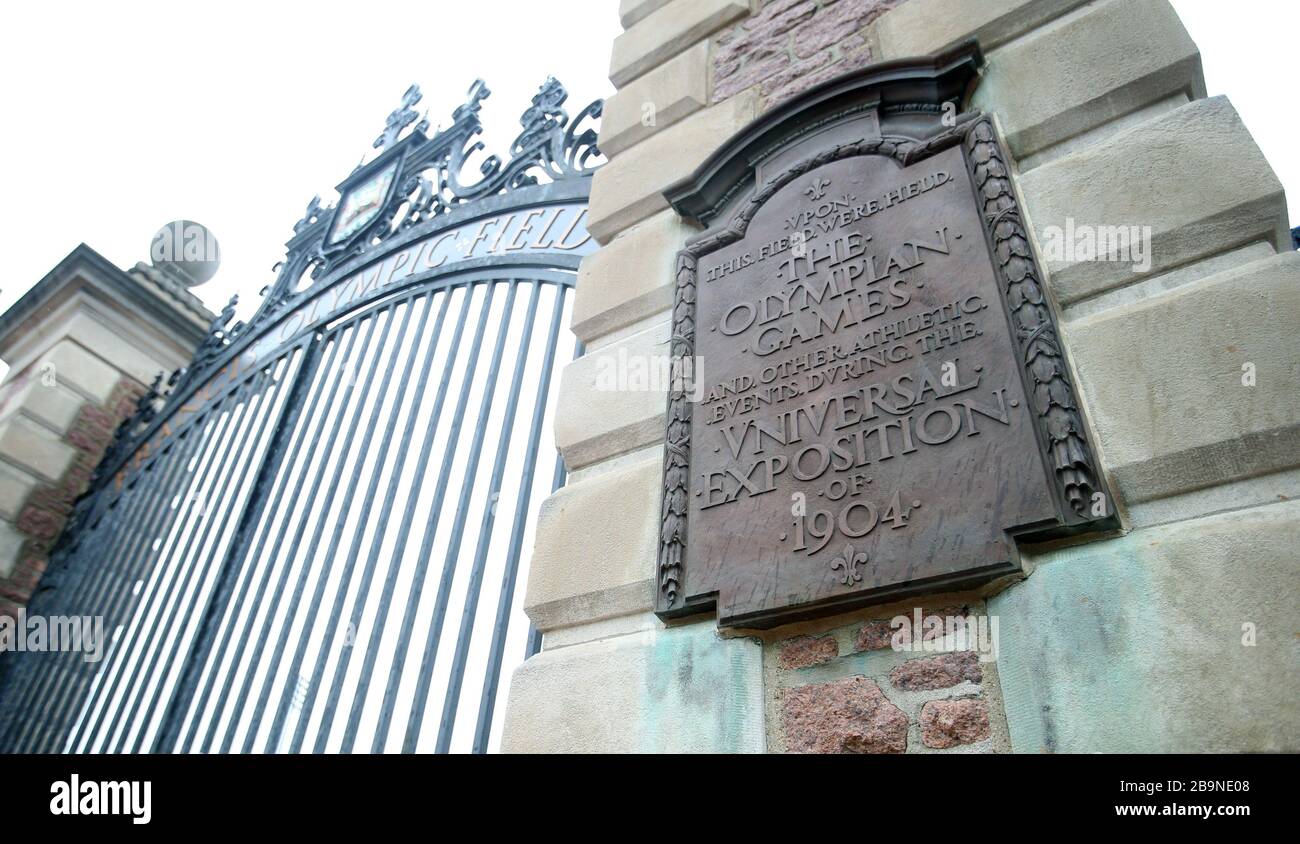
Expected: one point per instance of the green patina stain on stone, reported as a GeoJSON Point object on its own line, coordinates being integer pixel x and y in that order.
{"type": "Point", "coordinates": [702, 692]}
{"type": "Point", "coordinates": [1134, 643]}
{"type": "Point", "coordinates": [1070, 644]}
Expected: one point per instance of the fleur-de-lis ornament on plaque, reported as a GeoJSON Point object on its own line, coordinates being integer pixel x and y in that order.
{"type": "Point", "coordinates": [847, 564]}
{"type": "Point", "coordinates": [818, 188]}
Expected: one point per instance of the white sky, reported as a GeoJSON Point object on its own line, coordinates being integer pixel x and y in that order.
{"type": "Point", "coordinates": [119, 117]}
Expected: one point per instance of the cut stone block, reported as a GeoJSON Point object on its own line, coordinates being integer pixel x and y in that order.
{"type": "Point", "coordinates": [630, 187]}
{"type": "Point", "coordinates": [631, 278]}
{"type": "Point", "coordinates": [596, 549]}
{"type": "Point", "coordinates": [614, 400]}
{"type": "Point", "coordinates": [921, 27]}
{"type": "Point", "coordinates": [1179, 638]}
{"type": "Point", "coordinates": [1068, 77]}
{"type": "Point", "coordinates": [1196, 387]}
{"type": "Point", "coordinates": [35, 448]}
{"type": "Point", "coordinates": [667, 31]}
{"type": "Point", "coordinates": [675, 690]}
{"type": "Point", "coordinates": [1193, 175]}
{"type": "Point", "coordinates": [656, 101]}
{"type": "Point", "coordinates": [15, 486]}
{"type": "Point", "coordinates": [11, 543]}
{"type": "Point", "coordinates": [77, 368]}
{"type": "Point", "coordinates": [631, 11]}
{"type": "Point", "coordinates": [51, 404]}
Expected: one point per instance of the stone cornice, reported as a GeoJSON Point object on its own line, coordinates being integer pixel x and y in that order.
{"type": "Point", "coordinates": [186, 321]}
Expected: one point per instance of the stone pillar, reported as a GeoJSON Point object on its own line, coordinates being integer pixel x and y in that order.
{"type": "Point", "coordinates": [81, 346]}
{"type": "Point", "coordinates": [1177, 634]}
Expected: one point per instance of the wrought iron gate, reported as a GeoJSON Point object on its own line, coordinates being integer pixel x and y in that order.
{"type": "Point", "coordinates": [310, 538]}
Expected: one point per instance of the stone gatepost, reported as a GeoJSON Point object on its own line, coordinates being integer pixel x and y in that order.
{"type": "Point", "coordinates": [81, 346]}
{"type": "Point", "coordinates": [1173, 633]}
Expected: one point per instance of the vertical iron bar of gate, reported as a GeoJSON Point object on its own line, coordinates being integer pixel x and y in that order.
{"type": "Point", "coordinates": [389, 355]}
{"type": "Point", "coordinates": [69, 696]}
{"type": "Point", "coordinates": [259, 593]}
{"type": "Point", "coordinates": [295, 665]}
{"type": "Point", "coordinates": [505, 602]}
{"type": "Point", "coordinates": [223, 589]}
{"type": "Point", "coordinates": [534, 644]}
{"type": "Point", "coordinates": [98, 705]}
{"type": "Point", "coordinates": [404, 531]}
{"type": "Point", "coordinates": [358, 537]}
{"type": "Point", "coordinates": [74, 579]}
{"type": "Point", "coordinates": [33, 676]}
{"type": "Point", "coordinates": [295, 545]}
{"type": "Point", "coordinates": [65, 589]}
{"type": "Point", "coordinates": [486, 524]}
{"type": "Point", "coordinates": [154, 506]}
{"type": "Point", "coordinates": [176, 457]}
{"type": "Point", "coordinates": [457, 529]}
{"type": "Point", "coordinates": [271, 404]}
{"type": "Point", "coordinates": [426, 543]}
{"type": "Point", "coordinates": [189, 567]}
{"type": "Point", "coordinates": [395, 561]}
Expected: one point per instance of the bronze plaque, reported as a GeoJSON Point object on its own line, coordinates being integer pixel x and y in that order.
{"type": "Point", "coordinates": [872, 400]}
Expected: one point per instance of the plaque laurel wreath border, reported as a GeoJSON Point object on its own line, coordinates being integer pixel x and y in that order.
{"type": "Point", "coordinates": [1059, 422]}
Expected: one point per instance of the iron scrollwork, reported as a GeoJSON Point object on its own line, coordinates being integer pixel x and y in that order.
{"type": "Point", "coordinates": [550, 147]}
